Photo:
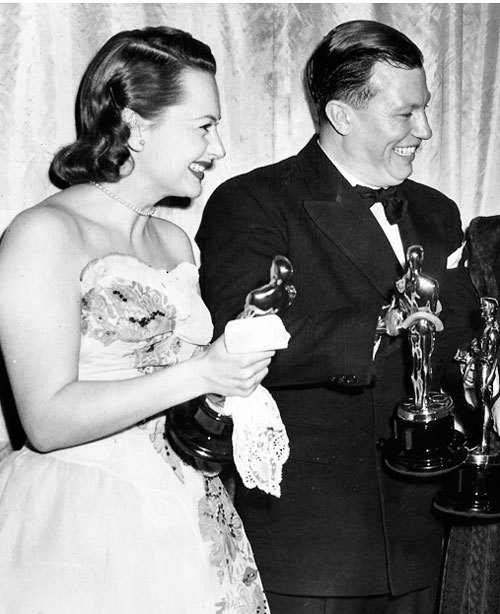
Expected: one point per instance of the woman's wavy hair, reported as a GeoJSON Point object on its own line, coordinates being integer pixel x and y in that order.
{"type": "Point", "coordinates": [139, 70]}
{"type": "Point", "coordinates": [342, 64]}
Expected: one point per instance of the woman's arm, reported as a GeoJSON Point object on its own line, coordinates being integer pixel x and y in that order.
{"type": "Point", "coordinates": [40, 263]}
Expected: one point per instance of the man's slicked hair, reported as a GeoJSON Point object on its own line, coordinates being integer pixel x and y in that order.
{"type": "Point", "coordinates": [342, 65]}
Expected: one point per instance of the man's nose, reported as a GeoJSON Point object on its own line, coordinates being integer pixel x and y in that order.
{"type": "Point", "coordinates": [421, 128]}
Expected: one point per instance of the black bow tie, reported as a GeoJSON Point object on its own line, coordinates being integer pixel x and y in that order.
{"type": "Point", "coordinates": [394, 202]}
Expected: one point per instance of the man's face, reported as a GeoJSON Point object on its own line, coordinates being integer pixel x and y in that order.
{"type": "Point", "coordinates": [386, 133]}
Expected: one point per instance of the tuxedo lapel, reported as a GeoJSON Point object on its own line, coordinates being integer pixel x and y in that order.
{"type": "Point", "coordinates": [357, 233]}
{"type": "Point", "coordinates": [343, 217]}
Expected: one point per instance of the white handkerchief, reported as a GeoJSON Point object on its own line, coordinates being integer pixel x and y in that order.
{"type": "Point", "coordinates": [260, 442]}
{"type": "Point", "coordinates": [256, 334]}
{"type": "Point", "coordinates": [454, 258]}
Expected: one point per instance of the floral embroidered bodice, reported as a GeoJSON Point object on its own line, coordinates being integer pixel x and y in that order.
{"type": "Point", "coordinates": [136, 319]}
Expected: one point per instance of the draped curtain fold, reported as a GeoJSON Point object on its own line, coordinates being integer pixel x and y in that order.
{"type": "Point", "coordinates": [261, 49]}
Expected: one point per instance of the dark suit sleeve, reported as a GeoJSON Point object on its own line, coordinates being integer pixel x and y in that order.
{"type": "Point", "coordinates": [242, 230]}
{"type": "Point", "coordinates": [237, 241]}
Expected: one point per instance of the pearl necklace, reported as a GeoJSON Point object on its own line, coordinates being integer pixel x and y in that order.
{"type": "Point", "coordinates": [146, 212]}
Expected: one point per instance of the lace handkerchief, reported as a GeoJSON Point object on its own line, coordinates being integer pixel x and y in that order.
{"type": "Point", "coordinates": [260, 442]}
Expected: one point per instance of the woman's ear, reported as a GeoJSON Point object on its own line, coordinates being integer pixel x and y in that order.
{"type": "Point", "coordinates": [136, 126]}
{"type": "Point", "coordinates": [338, 116]}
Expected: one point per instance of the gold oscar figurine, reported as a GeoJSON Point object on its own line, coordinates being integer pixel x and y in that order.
{"type": "Point", "coordinates": [424, 442]}
{"type": "Point", "coordinates": [474, 489]}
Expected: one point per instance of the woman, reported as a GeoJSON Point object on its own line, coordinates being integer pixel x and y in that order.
{"type": "Point", "coordinates": [102, 329]}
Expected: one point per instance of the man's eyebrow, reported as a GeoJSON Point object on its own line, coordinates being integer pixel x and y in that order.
{"type": "Point", "coordinates": [212, 117]}
{"type": "Point", "coordinates": [414, 105]}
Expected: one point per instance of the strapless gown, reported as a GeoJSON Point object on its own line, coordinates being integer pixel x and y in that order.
{"type": "Point", "coordinates": [121, 525]}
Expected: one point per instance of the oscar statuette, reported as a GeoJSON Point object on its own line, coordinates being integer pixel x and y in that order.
{"type": "Point", "coordinates": [424, 442]}
{"type": "Point", "coordinates": [199, 431]}
{"type": "Point", "coordinates": [473, 490]}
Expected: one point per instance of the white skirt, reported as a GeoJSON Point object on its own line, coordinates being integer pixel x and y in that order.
{"type": "Point", "coordinates": [120, 526]}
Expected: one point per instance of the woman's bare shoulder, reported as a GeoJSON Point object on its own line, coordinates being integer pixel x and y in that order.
{"type": "Point", "coordinates": [47, 229]}
{"type": "Point", "coordinates": [51, 213]}
{"type": "Point", "coordinates": [175, 240]}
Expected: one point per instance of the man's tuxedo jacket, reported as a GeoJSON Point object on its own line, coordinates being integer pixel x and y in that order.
{"type": "Point", "coordinates": [343, 526]}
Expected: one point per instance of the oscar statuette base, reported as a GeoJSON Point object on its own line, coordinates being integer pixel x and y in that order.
{"type": "Point", "coordinates": [473, 491]}
{"type": "Point", "coordinates": [425, 442]}
{"type": "Point", "coordinates": [200, 436]}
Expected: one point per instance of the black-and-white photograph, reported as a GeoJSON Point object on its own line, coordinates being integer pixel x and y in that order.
{"type": "Point", "coordinates": [249, 321]}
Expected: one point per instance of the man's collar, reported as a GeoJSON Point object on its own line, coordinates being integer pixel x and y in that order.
{"type": "Point", "coordinates": [345, 173]}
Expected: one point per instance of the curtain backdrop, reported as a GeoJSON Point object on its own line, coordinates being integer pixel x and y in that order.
{"type": "Point", "coordinates": [261, 50]}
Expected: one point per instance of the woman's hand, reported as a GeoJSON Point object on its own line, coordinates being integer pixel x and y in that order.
{"type": "Point", "coordinates": [233, 374]}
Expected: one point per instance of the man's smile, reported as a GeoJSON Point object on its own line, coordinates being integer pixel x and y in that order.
{"type": "Point", "coordinates": [406, 151]}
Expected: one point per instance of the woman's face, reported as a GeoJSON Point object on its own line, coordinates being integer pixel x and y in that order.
{"type": "Point", "coordinates": [184, 142]}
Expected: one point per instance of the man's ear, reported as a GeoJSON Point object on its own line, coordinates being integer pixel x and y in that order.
{"type": "Point", "coordinates": [338, 115]}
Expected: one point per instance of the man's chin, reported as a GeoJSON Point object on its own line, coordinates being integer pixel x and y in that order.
{"type": "Point", "coordinates": [401, 175]}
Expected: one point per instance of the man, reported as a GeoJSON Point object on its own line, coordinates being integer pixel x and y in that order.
{"type": "Point", "coordinates": [346, 536]}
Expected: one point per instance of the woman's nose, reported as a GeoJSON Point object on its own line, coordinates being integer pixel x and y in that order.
{"type": "Point", "coordinates": [216, 147]}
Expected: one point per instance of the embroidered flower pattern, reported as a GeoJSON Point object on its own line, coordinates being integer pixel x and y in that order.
{"type": "Point", "coordinates": [126, 310]}
{"type": "Point", "coordinates": [230, 552]}
{"type": "Point", "coordinates": [132, 313]}
{"type": "Point", "coordinates": [219, 524]}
